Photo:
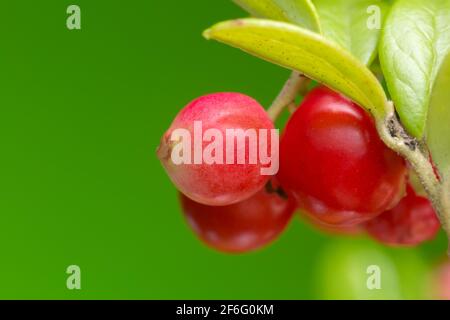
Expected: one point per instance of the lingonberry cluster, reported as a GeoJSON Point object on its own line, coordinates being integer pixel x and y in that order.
{"type": "Point", "coordinates": [333, 168]}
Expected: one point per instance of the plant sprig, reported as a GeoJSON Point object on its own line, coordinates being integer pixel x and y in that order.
{"type": "Point", "coordinates": [415, 65]}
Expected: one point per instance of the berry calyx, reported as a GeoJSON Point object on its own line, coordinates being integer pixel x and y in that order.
{"type": "Point", "coordinates": [333, 161]}
{"type": "Point", "coordinates": [412, 222]}
{"type": "Point", "coordinates": [219, 142]}
{"type": "Point", "coordinates": [241, 227]}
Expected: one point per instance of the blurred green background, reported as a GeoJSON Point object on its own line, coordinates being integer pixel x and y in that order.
{"type": "Point", "coordinates": [81, 116]}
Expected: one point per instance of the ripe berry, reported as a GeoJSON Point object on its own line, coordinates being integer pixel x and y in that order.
{"type": "Point", "coordinates": [410, 223]}
{"type": "Point", "coordinates": [333, 161]}
{"type": "Point", "coordinates": [241, 227]}
{"type": "Point", "coordinates": [215, 173]}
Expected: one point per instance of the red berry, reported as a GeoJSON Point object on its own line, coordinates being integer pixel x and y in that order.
{"type": "Point", "coordinates": [410, 223]}
{"type": "Point", "coordinates": [212, 175]}
{"type": "Point", "coordinates": [241, 227]}
{"type": "Point", "coordinates": [333, 161]}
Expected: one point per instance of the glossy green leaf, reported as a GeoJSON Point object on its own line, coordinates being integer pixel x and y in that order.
{"type": "Point", "coordinates": [438, 125]}
{"type": "Point", "coordinates": [307, 52]}
{"type": "Point", "coordinates": [414, 42]}
{"type": "Point", "coordinates": [353, 24]}
{"type": "Point", "coordinates": [299, 12]}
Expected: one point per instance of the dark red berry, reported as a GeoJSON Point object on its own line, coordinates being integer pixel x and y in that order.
{"type": "Point", "coordinates": [241, 227]}
{"type": "Point", "coordinates": [333, 161]}
{"type": "Point", "coordinates": [412, 222]}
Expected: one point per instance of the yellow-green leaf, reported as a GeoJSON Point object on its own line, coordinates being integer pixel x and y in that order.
{"type": "Point", "coordinates": [306, 52]}
{"type": "Point", "coordinates": [299, 12]}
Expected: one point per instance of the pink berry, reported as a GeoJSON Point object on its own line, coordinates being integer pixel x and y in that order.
{"type": "Point", "coordinates": [211, 165]}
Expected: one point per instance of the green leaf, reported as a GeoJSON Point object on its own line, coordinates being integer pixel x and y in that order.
{"type": "Point", "coordinates": [353, 24]}
{"type": "Point", "coordinates": [438, 124]}
{"type": "Point", "coordinates": [414, 42]}
{"type": "Point", "coordinates": [299, 12]}
{"type": "Point", "coordinates": [307, 52]}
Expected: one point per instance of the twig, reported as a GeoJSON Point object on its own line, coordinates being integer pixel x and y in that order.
{"type": "Point", "coordinates": [293, 86]}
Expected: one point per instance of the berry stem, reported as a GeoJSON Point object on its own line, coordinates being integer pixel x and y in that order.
{"type": "Point", "coordinates": [445, 200]}
{"type": "Point", "coordinates": [395, 136]}
{"type": "Point", "coordinates": [296, 83]}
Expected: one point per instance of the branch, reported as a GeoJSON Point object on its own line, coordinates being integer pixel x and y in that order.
{"type": "Point", "coordinates": [395, 136]}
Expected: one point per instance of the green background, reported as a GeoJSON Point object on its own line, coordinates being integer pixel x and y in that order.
{"type": "Point", "coordinates": [81, 116]}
